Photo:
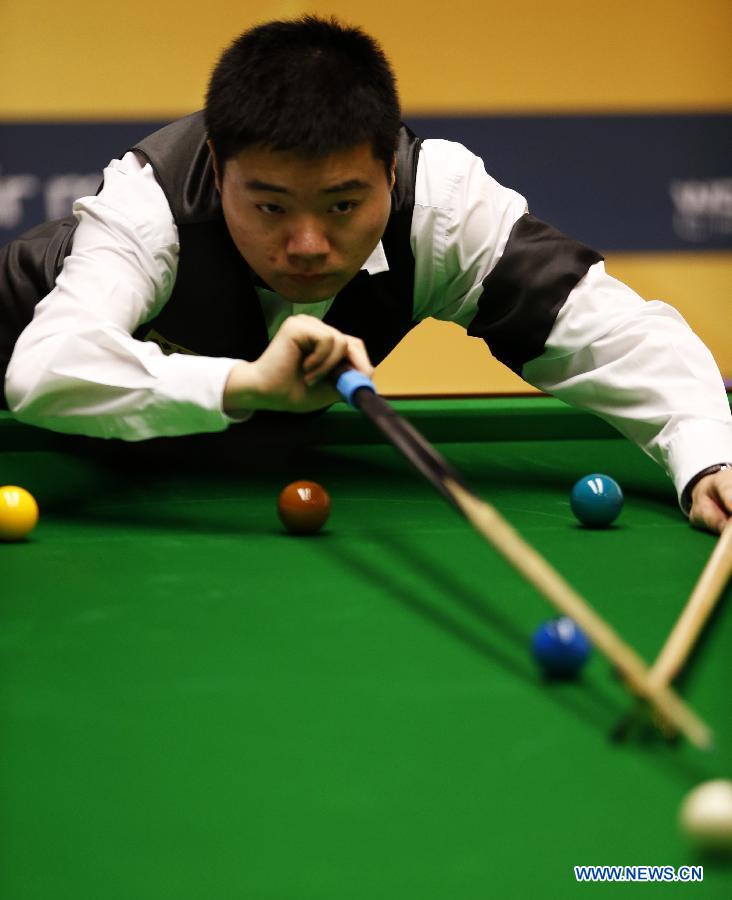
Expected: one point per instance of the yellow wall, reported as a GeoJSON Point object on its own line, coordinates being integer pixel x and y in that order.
{"type": "Point", "coordinates": [152, 59]}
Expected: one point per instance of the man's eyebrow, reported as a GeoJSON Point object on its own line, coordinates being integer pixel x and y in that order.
{"type": "Point", "coordinates": [354, 184]}
{"type": "Point", "coordinates": [254, 184]}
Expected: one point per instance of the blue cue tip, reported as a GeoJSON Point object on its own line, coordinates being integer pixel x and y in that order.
{"type": "Point", "coordinates": [350, 381]}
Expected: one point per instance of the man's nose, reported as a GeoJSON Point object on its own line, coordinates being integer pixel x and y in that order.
{"type": "Point", "coordinates": [308, 239]}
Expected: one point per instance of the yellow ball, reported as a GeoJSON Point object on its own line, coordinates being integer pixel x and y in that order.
{"type": "Point", "coordinates": [18, 513]}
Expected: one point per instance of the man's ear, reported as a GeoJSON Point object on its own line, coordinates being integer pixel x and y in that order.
{"type": "Point", "coordinates": [218, 173]}
{"type": "Point", "coordinates": [392, 177]}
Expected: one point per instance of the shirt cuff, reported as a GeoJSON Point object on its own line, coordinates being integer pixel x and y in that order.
{"type": "Point", "coordinates": [190, 392]}
{"type": "Point", "coordinates": [695, 446]}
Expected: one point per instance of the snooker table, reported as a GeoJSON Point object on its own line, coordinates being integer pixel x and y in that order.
{"type": "Point", "coordinates": [196, 704]}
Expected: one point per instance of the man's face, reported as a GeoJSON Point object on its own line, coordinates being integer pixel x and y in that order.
{"type": "Point", "coordinates": [305, 226]}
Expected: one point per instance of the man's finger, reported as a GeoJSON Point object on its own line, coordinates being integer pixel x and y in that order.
{"type": "Point", "coordinates": [723, 487]}
{"type": "Point", "coordinates": [321, 351]}
{"type": "Point", "coordinates": [358, 356]}
{"type": "Point", "coordinates": [708, 513]}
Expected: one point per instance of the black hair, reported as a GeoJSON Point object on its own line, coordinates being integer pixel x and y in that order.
{"type": "Point", "coordinates": [310, 85]}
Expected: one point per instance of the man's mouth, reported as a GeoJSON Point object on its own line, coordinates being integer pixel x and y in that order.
{"type": "Point", "coordinates": [309, 277]}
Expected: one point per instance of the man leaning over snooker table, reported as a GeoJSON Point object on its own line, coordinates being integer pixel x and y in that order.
{"type": "Point", "coordinates": [233, 258]}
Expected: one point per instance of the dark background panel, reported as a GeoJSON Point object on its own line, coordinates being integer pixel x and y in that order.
{"type": "Point", "coordinates": [619, 183]}
{"type": "Point", "coordinates": [615, 182]}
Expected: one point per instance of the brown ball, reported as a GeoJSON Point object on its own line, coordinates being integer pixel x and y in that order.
{"type": "Point", "coordinates": [303, 507]}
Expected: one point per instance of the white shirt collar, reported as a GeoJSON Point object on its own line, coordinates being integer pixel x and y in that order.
{"type": "Point", "coordinates": [377, 262]}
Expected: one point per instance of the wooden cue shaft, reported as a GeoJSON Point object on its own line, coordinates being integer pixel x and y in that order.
{"type": "Point", "coordinates": [703, 599]}
{"type": "Point", "coordinates": [496, 530]}
{"type": "Point", "coordinates": [522, 556]}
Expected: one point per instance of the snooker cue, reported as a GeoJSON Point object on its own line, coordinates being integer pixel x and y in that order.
{"type": "Point", "coordinates": [700, 605]}
{"type": "Point", "coordinates": [358, 390]}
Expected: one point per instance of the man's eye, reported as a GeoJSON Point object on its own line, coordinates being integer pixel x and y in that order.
{"type": "Point", "coordinates": [269, 209]}
{"type": "Point", "coordinates": [343, 207]}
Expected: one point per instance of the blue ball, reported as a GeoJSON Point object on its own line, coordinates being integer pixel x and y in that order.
{"type": "Point", "coordinates": [596, 500]}
{"type": "Point", "coordinates": [560, 648]}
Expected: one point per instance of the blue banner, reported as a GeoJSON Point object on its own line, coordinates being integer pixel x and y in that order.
{"type": "Point", "coordinates": [616, 182]}
{"type": "Point", "coordinates": [624, 183]}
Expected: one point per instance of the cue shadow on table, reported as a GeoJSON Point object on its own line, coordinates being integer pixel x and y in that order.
{"type": "Point", "coordinates": [359, 391]}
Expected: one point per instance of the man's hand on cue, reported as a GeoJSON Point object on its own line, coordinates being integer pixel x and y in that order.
{"type": "Point", "coordinates": [711, 501]}
{"type": "Point", "coordinates": [289, 375]}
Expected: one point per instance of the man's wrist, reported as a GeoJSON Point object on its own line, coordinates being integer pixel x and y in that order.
{"type": "Point", "coordinates": [688, 490]}
{"type": "Point", "coordinates": [241, 393]}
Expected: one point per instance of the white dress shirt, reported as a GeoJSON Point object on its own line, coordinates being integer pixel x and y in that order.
{"type": "Point", "coordinates": [76, 367]}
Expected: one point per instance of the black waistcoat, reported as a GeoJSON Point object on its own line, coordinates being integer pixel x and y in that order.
{"type": "Point", "coordinates": [213, 309]}
{"type": "Point", "coordinates": [29, 267]}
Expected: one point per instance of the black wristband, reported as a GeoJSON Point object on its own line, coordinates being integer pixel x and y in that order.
{"type": "Point", "coordinates": [686, 493]}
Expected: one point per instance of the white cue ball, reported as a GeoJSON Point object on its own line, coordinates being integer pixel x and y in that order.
{"type": "Point", "coordinates": [706, 815]}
